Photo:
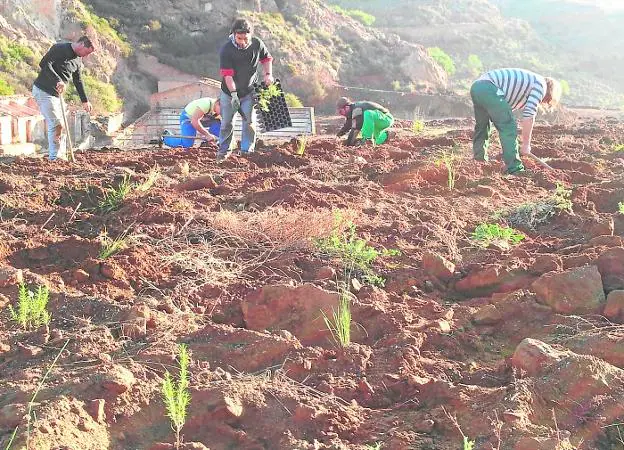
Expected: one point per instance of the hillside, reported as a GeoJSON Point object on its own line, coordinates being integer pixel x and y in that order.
{"type": "Point", "coordinates": [558, 37]}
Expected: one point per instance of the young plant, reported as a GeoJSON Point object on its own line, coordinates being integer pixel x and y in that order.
{"type": "Point", "coordinates": [302, 143]}
{"type": "Point", "coordinates": [339, 324]}
{"type": "Point", "coordinates": [617, 148]}
{"type": "Point", "coordinates": [355, 253]}
{"type": "Point", "coordinates": [266, 94]}
{"type": "Point", "coordinates": [176, 394]}
{"type": "Point", "coordinates": [492, 233]}
{"type": "Point", "coordinates": [621, 207]}
{"type": "Point", "coordinates": [152, 177]}
{"type": "Point", "coordinates": [468, 444]}
{"type": "Point", "coordinates": [532, 214]}
{"type": "Point", "coordinates": [114, 197]}
{"type": "Point", "coordinates": [31, 307]}
{"type": "Point", "coordinates": [418, 126]}
{"type": "Point", "coordinates": [111, 246]}
{"type": "Point", "coordinates": [450, 159]}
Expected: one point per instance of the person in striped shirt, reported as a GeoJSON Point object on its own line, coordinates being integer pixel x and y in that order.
{"type": "Point", "coordinates": [495, 95]}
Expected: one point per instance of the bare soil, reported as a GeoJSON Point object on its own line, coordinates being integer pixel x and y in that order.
{"type": "Point", "coordinates": [208, 243]}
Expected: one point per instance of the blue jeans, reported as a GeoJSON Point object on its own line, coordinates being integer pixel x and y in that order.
{"type": "Point", "coordinates": [248, 141]}
{"type": "Point", "coordinates": [187, 129]}
{"type": "Point", "coordinates": [50, 107]}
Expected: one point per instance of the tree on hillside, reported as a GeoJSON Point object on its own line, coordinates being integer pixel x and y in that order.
{"type": "Point", "coordinates": [442, 58]}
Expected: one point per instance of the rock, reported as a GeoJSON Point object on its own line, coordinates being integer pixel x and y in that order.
{"type": "Point", "coordinates": [95, 408]}
{"type": "Point", "coordinates": [181, 168]}
{"type": "Point", "coordinates": [194, 184]}
{"type": "Point", "coordinates": [439, 267]}
{"type": "Point", "coordinates": [485, 191]}
{"type": "Point", "coordinates": [304, 413]}
{"type": "Point", "coordinates": [442, 325]}
{"type": "Point", "coordinates": [614, 309]}
{"type": "Point", "coordinates": [117, 381]}
{"type": "Point", "coordinates": [12, 415]}
{"type": "Point", "coordinates": [4, 348]}
{"type": "Point", "coordinates": [80, 275]}
{"type": "Point", "coordinates": [230, 408]}
{"type": "Point", "coordinates": [136, 329]}
{"type": "Point", "coordinates": [355, 283]}
{"type": "Point", "coordinates": [539, 443]}
{"type": "Point", "coordinates": [140, 311]}
{"type": "Point", "coordinates": [325, 273]}
{"type": "Point", "coordinates": [365, 388]}
{"type": "Point", "coordinates": [10, 276]}
{"type": "Point", "coordinates": [547, 263]}
{"type": "Point", "coordinates": [167, 306]}
{"type": "Point", "coordinates": [601, 226]}
{"type": "Point", "coordinates": [575, 291]}
{"type": "Point", "coordinates": [296, 309]}
{"type": "Point", "coordinates": [29, 351]}
{"type": "Point", "coordinates": [4, 301]}
{"type": "Point", "coordinates": [426, 426]}
{"type": "Point", "coordinates": [487, 315]}
{"type": "Point", "coordinates": [493, 279]}
{"type": "Point", "coordinates": [355, 159]}
{"type": "Point", "coordinates": [111, 271]}
{"type": "Point", "coordinates": [611, 267]}
{"type": "Point", "coordinates": [531, 356]}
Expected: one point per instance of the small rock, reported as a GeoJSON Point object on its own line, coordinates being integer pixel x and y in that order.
{"type": "Point", "coordinates": [4, 348]}
{"type": "Point", "coordinates": [485, 191]}
{"type": "Point", "coordinates": [29, 350]}
{"type": "Point", "coordinates": [194, 184]}
{"type": "Point", "coordinates": [10, 276]}
{"type": "Point", "coordinates": [607, 241]}
{"type": "Point", "coordinates": [324, 386]}
{"type": "Point", "coordinates": [140, 311]}
{"type": "Point", "coordinates": [182, 168]}
{"type": "Point", "coordinates": [4, 301]}
{"type": "Point", "coordinates": [117, 381]}
{"type": "Point", "coordinates": [614, 309]}
{"type": "Point", "coordinates": [199, 310]}
{"type": "Point", "coordinates": [356, 159]}
{"type": "Point", "coordinates": [167, 306]}
{"type": "Point", "coordinates": [304, 413]}
{"type": "Point", "coordinates": [134, 330]}
{"type": "Point", "coordinates": [611, 267]}
{"type": "Point", "coordinates": [325, 273]}
{"type": "Point", "coordinates": [513, 416]}
{"type": "Point", "coordinates": [426, 426]}
{"type": "Point", "coordinates": [532, 356]}
{"type": "Point", "coordinates": [80, 275]}
{"type": "Point", "coordinates": [443, 325]}
{"type": "Point", "coordinates": [487, 315]}
{"type": "Point", "coordinates": [416, 381]}
{"type": "Point", "coordinates": [95, 408]}
{"type": "Point", "coordinates": [365, 388]}
{"type": "Point", "coordinates": [547, 263]}
{"type": "Point", "coordinates": [357, 286]}
{"type": "Point", "coordinates": [438, 266]}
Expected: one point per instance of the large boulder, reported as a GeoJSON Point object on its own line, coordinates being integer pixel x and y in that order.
{"type": "Point", "coordinates": [575, 291]}
{"type": "Point", "coordinates": [296, 309]}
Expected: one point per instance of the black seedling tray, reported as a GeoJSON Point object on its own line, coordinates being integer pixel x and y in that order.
{"type": "Point", "coordinates": [277, 116]}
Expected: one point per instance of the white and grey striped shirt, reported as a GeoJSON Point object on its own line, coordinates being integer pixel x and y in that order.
{"type": "Point", "coordinates": [521, 88]}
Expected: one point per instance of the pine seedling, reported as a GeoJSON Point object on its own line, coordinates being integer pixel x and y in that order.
{"type": "Point", "coordinates": [31, 307]}
{"type": "Point", "coordinates": [176, 394]}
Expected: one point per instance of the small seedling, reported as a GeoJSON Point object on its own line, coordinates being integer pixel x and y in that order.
{"type": "Point", "coordinates": [375, 446]}
{"type": "Point", "coordinates": [617, 148]}
{"type": "Point", "coordinates": [302, 142]}
{"type": "Point", "coordinates": [450, 159]}
{"type": "Point", "coordinates": [418, 126]}
{"type": "Point", "coordinates": [31, 307]}
{"type": "Point", "coordinates": [152, 177]}
{"type": "Point", "coordinates": [114, 197]}
{"type": "Point", "coordinates": [468, 444]}
{"type": "Point", "coordinates": [266, 94]}
{"type": "Point", "coordinates": [339, 324]}
{"type": "Point", "coordinates": [621, 207]}
{"type": "Point", "coordinates": [487, 234]}
{"type": "Point", "coordinates": [176, 394]}
{"type": "Point", "coordinates": [111, 246]}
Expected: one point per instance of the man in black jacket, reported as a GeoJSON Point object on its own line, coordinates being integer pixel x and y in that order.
{"type": "Point", "coordinates": [62, 62]}
{"type": "Point", "coordinates": [369, 118]}
{"type": "Point", "coordinates": [239, 60]}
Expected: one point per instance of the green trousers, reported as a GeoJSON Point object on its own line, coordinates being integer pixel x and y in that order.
{"type": "Point", "coordinates": [375, 125]}
{"type": "Point", "coordinates": [490, 107]}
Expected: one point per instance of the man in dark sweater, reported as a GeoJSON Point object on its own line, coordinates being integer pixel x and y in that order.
{"type": "Point", "coordinates": [239, 60]}
{"type": "Point", "coordinates": [369, 118]}
{"type": "Point", "coordinates": [62, 62]}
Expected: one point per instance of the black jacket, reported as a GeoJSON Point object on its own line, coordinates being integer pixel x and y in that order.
{"type": "Point", "coordinates": [60, 64]}
{"type": "Point", "coordinates": [355, 118]}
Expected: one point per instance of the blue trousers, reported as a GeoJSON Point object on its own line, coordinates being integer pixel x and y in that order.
{"type": "Point", "coordinates": [187, 129]}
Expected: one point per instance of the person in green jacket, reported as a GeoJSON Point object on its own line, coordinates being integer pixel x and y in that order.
{"type": "Point", "coordinates": [368, 118]}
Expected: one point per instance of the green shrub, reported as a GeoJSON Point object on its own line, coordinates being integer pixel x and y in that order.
{"type": "Point", "coordinates": [88, 18]}
{"type": "Point", "coordinates": [621, 207]}
{"type": "Point", "coordinates": [103, 96]}
{"type": "Point", "coordinates": [475, 66]}
{"type": "Point", "coordinates": [6, 88]}
{"type": "Point", "coordinates": [176, 395]}
{"type": "Point", "coordinates": [356, 14]}
{"type": "Point", "coordinates": [565, 87]}
{"type": "Point", "coordinates": [487, 233]}
{"type": "Point", "coordinates": [292, 100]}
{"type": "Point", "coordinates": [443, 59]}
{"type": "Point", "coordinates": [532, 214]}
{"type": "Point", "coordinates": [31, 307]}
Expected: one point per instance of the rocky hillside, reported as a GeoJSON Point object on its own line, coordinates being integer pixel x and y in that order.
{"type": "Point", "coordinates": [316, 48]}
{"type": "Point", "coordinates": [556, 37]}
{"type": "Point", "coordinates": [28, 28]}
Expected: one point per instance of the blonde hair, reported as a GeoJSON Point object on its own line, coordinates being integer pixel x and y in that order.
{"type": "Point", "coordinates": [553, 92]}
